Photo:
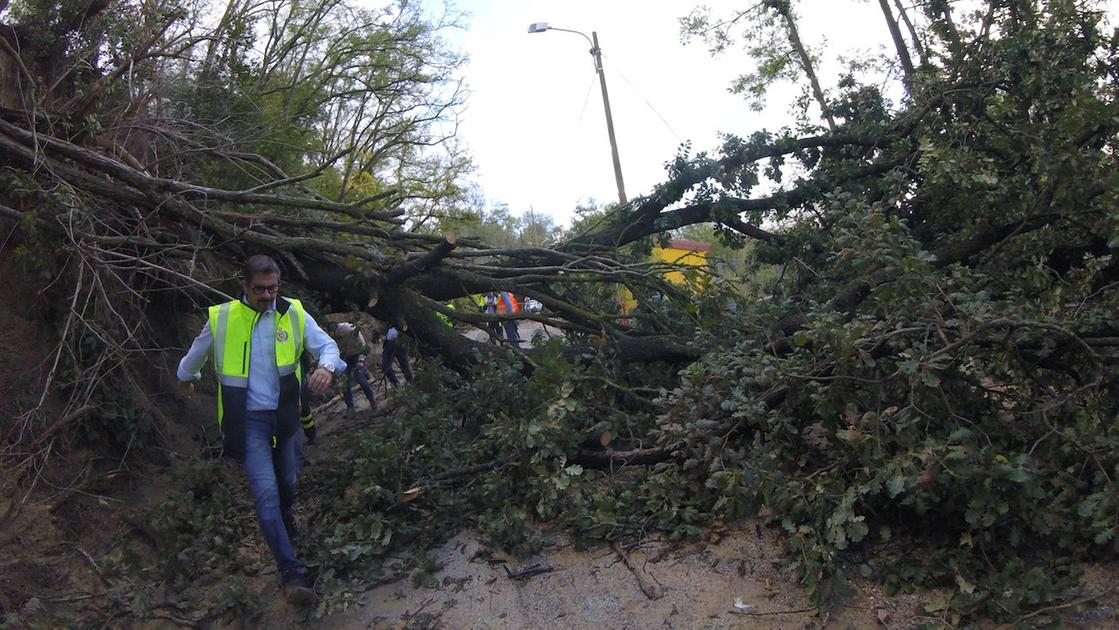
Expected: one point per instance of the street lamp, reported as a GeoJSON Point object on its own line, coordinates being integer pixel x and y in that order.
{"type": "Point", "coordinates": [596, 54]}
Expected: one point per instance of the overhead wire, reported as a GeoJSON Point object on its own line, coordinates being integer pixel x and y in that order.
{"type": "Point", "coordinates": [586, 99]}
{"type": "Point", "coordinates": [646, 101]}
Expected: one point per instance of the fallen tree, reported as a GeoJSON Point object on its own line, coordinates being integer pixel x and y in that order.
{"type": "Point", "coordinates": [933, 361]}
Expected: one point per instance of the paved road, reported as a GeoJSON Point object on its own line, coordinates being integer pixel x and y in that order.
{"type": "Point", "coordinates": [526, 329]}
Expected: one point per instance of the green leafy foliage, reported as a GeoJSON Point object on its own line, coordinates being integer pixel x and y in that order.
{"type": "Point", "coordinates": [937, 416]}
{"type": "Point", "coordinates": [203, 524]}
{"type": "Point", "coordinates": [489, 450]}
{"type": "Point", "coordinates": [928, 370]}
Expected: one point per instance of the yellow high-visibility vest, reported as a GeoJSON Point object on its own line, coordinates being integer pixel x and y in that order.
{"type": "Point", "coordinates": [231, 326]}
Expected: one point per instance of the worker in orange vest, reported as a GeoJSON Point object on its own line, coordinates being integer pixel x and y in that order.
{"type": "Point", "coordinates": [508, 304]}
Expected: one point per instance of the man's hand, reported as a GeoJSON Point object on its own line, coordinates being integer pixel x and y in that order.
{"type": "Point", "coordinates": [185, 389]}
{"type": "Point", "coordinates": [320, 380]}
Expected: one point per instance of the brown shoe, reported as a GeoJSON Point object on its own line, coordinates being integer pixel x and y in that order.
{"type": "Point", "coordinates": [297, 589]}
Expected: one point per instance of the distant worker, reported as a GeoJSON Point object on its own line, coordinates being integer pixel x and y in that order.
{"type": "Point", "coordinates": [506, 305]}
{"type": "Point", "coordinates": [256, 343]}
{"type": "Point", "coordinates": [443, 318]}
{"type": "Point", "coordinates": [394, 349]}
{"type": "Point", "coordinates": [362, 367]}
{"type": "Point", "coordinates": [352, 345]}
{"type": "Point", "coordinates": [489, 307]}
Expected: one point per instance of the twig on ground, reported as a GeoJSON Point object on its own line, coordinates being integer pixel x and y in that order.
{"type": "Point", "coordinates": [93, 563]}
{"type": "Point", "coordinates": [175, 620]}
{"type": "Point", "coordinates": [792, 611]}
{"type": "Point", "coordinates": [1047, 609]}
{"type": "Point", "coordinates": [652, 591]}
{"type": "Point", "coordinates": [524, 574]}
{"type": "Point", "coordinates": [391, 578]}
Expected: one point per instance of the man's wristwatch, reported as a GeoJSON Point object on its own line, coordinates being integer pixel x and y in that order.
{"type": "Point", "coordinates": [329, 367]}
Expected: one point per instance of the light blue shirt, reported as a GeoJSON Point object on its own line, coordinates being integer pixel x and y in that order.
{"type": "Point", "coordinates": [264, 376]}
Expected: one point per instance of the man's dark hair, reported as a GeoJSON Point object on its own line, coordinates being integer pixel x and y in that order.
{"type": "Point", "coordinates": [258, 264]}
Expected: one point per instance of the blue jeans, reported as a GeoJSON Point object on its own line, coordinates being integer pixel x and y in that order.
{"type": "Point", "coordinates": [271, 473]}
{"type": "Point", "coordinates": [400, 353]}
{"type": "Point", "coordinates": [353, 373]}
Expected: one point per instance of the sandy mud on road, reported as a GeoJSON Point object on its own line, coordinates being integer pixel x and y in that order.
{"type": "Point", "coordinates": [729, 585]}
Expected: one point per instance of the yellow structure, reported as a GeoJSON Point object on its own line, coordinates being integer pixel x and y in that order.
{"type": "Point", "coordinates": [679, 252]}
{"type": "Point", "coordinates": [682, 252]}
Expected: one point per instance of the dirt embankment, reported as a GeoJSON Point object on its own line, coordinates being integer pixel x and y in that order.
{"type": "Point", "coordinates": [68, 497]}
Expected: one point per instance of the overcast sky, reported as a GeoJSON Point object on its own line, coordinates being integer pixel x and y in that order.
{"type": "Point", "coordinates": [534, 120]}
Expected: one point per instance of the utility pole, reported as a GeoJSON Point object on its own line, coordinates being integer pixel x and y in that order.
{"type": "Point", "coordinates": [596, 52]}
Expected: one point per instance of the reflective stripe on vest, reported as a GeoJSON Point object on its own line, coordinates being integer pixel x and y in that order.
{"type": "Point", "coordinates": [512, 300]}
{"type": "Point", "coordinates": [231, 326]}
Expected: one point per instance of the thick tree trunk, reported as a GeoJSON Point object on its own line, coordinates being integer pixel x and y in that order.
{"type": "Point", "coordinates": [806, 64]}
{"type": "Point", "coordinates": [899, 45]}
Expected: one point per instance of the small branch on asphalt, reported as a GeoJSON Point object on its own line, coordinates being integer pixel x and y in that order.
{"type": "Point", "coordinates": [652, 591]}
{"type": "Point", "coordinates": [524, 574]}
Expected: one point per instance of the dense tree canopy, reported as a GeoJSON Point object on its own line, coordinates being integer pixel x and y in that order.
{"type": "Point", "coordinates": [935, 360]}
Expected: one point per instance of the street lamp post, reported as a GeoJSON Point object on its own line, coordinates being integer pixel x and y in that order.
{"type": "Point", "coordinates": [596, 55]}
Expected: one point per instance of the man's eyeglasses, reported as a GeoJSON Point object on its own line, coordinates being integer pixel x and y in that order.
{"type": "Point", "coordinates": [259, 289]}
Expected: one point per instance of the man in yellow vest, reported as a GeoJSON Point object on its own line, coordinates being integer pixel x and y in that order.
{"type": "Point", "coordinates": [256, 343]}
